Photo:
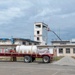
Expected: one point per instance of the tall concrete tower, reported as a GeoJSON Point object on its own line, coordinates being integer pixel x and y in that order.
{"type": "Point", "coordinates": [40, 32]}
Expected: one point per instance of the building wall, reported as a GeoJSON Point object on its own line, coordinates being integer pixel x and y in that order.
{"type": "Point", "coordinates": [42, 33]}
{"type": "Point", "coordinates": [5, 42]}
{"type": "Point", "coordinates": [18, 42]}
{"type": "Point", "coordinates": [64, 52]}
{"type": "Point", "coordinates": [55, 49]}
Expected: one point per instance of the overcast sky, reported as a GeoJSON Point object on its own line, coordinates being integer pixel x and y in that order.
{"type": "Point", "coordinates": [17, 17]}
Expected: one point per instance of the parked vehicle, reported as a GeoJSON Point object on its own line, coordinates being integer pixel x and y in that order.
{"type": "Point", "coordinates": [30, 53]}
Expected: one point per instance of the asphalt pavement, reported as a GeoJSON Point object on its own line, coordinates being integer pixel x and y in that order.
{"type": "Point", "coordinates": [21, 68]}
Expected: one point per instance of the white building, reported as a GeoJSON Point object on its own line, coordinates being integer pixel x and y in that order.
{"type": "Point", "coordinates": [6, 44]}
{"type": "Point", "coordinates": [17, 41]}
{"type": "Point", "coordinates": [40, 32]}
{"type": "Point", "coordinates": [61, 48]}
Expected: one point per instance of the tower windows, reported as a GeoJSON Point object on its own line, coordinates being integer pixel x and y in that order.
{"type": "Point", "coordinates": [38, 26]}
{"type": "Point", "coordinates": [38, 38]}
{"type": "Point", "coordinates": [38, 32]}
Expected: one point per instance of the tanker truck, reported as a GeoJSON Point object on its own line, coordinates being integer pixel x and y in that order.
{"type": "Point", "coordinates": [30, 53]}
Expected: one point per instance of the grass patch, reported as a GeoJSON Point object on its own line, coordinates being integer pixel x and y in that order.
{"type": "Point", "coordinates": [20, 58]}
{"type": "Point", "coordinates": [38, 59]}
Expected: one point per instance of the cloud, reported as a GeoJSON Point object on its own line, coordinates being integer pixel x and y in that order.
{"type": "Point", "coordinates": [67, 15]}
{"type": "Point", "coordinates": [7, 15]}
{"type": "Point", "coordinates": [47, 11]}
{"type": "Point", "coordinates": [43, 14]}
{"type": "Point", "coordinates": [12, 9]}
{"type": "Point", "coordinates": [20, 15]}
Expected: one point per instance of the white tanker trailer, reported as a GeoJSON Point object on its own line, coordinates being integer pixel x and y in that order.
{"type": "Point", "coordinates": [32, 52]}
{"type": "Point", "coordinates": [26, 49]}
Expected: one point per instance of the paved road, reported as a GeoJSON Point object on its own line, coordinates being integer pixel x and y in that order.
{"type": "Point", "coordinates": [21, 68]}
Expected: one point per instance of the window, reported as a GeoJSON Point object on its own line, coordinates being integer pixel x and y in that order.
{"type": "Point", "coordinates": [60, 50]}
{"type": "Point", "coordinates": [67, 50]}
{"type": "Point", "coordinates": [30, 43]}
{"type": "Point", "coordinates": [73, 50]}
{"type": "Point", "coordinates": [38, 32]}
{"type": "Point", "coordinates": [24, 43]}
{"type": "Point", "coordinates": [37, 38]}
{"type": "Point", "coordinates": [38, 26]}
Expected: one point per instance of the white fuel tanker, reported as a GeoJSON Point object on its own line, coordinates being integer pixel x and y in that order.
{"type": "Point", "coordinates": [31, 50]}
{"type": "Point", "coordinates": [26, 49]}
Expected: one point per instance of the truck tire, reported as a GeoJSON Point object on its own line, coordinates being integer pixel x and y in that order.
{"type": "Point", "coordinates": [46, 59]}
{"type": "Point", "coordinates": [27, 59]}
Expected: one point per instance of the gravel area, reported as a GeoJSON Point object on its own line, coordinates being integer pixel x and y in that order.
{"type": "Point", "coordinates": [68, 61]}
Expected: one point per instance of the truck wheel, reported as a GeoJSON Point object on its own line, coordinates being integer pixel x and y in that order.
{"type": "Point", "coordinates": [46, 59]}
{"type": "Point", "coordinates": [27, 59]}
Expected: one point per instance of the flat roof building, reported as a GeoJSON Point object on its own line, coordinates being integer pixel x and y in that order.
{"type": "Point", "coordinates": [61, 48]}
{"type": "Point", "coordinates": [7, 44]}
